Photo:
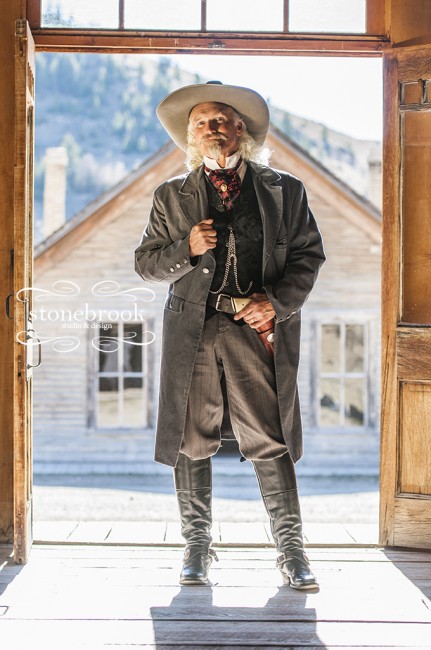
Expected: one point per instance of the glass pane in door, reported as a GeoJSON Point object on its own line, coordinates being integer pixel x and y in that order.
{"type": "Point", "coordinates": [245, 16]}
{"type": "Point", "coordinates": [80, 13]}
{"type": "Point", "coordinates": [163, 15]}
{"type": "Point", "coordinates": [333, 16]}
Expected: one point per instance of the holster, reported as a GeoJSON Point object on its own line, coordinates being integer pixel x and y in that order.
{"type": "Point", "coordinates": [266, 335]}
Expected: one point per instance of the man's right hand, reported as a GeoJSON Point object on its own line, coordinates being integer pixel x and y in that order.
{"type": "Point", "coordinates": [202, 238]}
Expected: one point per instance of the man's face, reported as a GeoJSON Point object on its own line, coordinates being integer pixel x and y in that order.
{"type": "Point", "coordinates": [216, 129]}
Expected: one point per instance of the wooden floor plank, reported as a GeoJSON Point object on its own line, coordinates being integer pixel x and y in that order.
{"type": "Point", "coordinates": [53, 531]}
{"type": "Point", "coordinates": [256, 578]}
{"type": "Point", "coordinates": [253, 533]}
{"type": "Point", "coordinates": [363, 533]}
{"type": "Point", "coordinates": [215, 533]}
{"type": "Point", "coordinates": [173, 533]}
{"type": "Point", "coordinates": [327, 534]}
{"type": "Point", "coordinates": [90, 531]}
{"type": "Point", "coordinates": [217, 603]}
{"type": "Point", "coordinates": [130, 532]}
{"type": "Point", "coordinates": [204, 646]}
{"type": "Point", "coordinates": [78, 552]}
{"type": "Point", "coordinates": [243, 533]}
{"type": "Point", "coordinates": [247, 634]}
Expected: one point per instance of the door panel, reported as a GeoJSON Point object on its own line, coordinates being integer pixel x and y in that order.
{"type": "Point", "coordinates": [406, 319]}
{"type": "Point", "coordinates": [414, 474]}
{"type": "Point", "coordinates": [23, 274]}
{"type": "Point", "coordinates": [416, 202]}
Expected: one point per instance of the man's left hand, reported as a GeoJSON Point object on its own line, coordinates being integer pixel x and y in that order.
{"type": "Point", "coordinates": [258, 312]}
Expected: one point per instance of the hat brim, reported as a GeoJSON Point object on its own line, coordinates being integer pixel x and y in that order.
{"type": "Point", "coordinates": [173, 111]}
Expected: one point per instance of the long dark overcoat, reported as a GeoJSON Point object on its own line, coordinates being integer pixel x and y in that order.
{"type": "Point", "coordinates": [292, 256]}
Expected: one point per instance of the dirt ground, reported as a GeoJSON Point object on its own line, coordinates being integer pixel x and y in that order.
{"type": "Point", "coordinates": [349, 499]}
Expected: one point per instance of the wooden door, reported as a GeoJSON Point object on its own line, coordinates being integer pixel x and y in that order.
{"type": "Point", "coordinates": [23, 271]}
{"type": "Point", "coordinates": [406, 378]}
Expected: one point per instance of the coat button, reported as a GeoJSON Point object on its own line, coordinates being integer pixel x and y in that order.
{"type": "Point", "coordinates": [185, 260]}
{"type": "Point", "coordinates": [178, 265]}
{"type": "Point", "coordinates": [205, 270]}
{"type": "Point", "coordinates": [172, 269]}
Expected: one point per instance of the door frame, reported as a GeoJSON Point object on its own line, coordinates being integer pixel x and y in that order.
{"type": "Point", "coordinates": [253, 44]}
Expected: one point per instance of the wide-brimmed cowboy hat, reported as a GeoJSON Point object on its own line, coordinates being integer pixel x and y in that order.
{"type": "Point", "coordinates": [173, 111]}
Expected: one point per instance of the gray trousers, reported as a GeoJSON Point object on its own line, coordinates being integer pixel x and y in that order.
{"type": "Point", "coordinates": [251, 391]}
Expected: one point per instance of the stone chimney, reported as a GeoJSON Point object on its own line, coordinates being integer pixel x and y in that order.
{"type": "Point", "coordinates": [54, 191]}
{"type": "Point", "coordinates": [375, 181]}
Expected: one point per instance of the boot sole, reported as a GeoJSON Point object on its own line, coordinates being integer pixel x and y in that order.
{"type": "Point", "coordinates": [288, 583]}
{"type": "Point", "coordinates": [192, 581]}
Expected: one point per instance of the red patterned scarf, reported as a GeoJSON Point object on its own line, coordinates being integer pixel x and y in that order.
{"type": "Point", "coordinates": [227, 183]}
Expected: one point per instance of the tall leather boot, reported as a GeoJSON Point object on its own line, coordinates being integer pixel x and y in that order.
{"type": "Point", "coordinates": [193, 485]}
{"type": "Point", "coordinates": [277, 482]}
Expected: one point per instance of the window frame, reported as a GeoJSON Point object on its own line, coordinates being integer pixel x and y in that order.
{"type": "Point", "coordinates": [368, 375]}
{"type": "Point", "coordinates": [147, 375]}
{"type": "Point", "coordinates": [371, 43]}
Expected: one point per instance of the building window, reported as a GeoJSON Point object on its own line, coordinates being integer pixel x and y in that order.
{"type": "Point", "coordinates": [343, 375]}
{"type": "Point", "coordinates": [122, 382]}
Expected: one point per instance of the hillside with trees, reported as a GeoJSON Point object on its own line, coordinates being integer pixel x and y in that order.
{"type": "Point", "coordinates": [101, 108]}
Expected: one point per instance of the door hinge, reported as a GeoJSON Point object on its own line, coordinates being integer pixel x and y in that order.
{"type": "Point", "coordinates": [21, 34]}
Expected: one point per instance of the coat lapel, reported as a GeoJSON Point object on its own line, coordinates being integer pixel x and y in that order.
{"type": "Point", "coordinates": [193, 201]}
{"type": "Point", "coordinates": [270, 199]}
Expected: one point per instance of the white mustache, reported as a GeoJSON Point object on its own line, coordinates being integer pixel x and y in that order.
{"type": "Point", "coordinates": [215, 136]}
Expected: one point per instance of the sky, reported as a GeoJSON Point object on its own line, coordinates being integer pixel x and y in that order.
{"type": "Point", "coordinates": [343, 93]}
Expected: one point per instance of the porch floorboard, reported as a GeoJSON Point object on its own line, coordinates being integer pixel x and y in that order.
{"type": "Point", "coordinates": [224, 533]}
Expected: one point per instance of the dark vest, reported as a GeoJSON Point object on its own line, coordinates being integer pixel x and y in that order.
{"type": "Point", "coordinates": [246, 223]}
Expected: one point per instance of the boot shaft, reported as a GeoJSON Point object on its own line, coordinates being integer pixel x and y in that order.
{"type": "Point", "coordinates": [277, 483]}
{"type": "Point", "coordinates": [193, 485]}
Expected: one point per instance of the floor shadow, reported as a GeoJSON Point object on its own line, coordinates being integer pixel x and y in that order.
{"type": "Point", "coordinates": [285, 619]}
{"type": "Point", "coordinates": [415, 565]}
{"type": "Point", "coordinates": [8, 572]}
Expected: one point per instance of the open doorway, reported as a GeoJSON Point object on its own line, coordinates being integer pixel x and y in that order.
{"type": "Point", "coordinates": [104, 446]}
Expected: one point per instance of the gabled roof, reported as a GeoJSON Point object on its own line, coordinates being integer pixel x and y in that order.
{"type": "Point", "coordinates": [108, 205]}
{"type": "Point", "coordinates": [324, 171]}
{"type": "Point", "coordinates": [168, 161]}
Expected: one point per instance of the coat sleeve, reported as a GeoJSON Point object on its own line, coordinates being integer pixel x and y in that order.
{"type": "Point", "coordinates": [305, 257]}
{"type": "Point", "coordinates": [158, 258]}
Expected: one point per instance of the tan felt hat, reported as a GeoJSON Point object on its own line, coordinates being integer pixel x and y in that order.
{"type": "Point", "coordinates": [173, 111]}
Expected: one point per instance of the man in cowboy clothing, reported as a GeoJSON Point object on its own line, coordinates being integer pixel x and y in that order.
{"type": "Point", "coordinates": [241, 251]}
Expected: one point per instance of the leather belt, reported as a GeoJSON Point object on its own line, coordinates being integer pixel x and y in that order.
{"type": "Point", "coordinates": [227, 304]}
{"type": "Point", "coordinates": [230, 305]}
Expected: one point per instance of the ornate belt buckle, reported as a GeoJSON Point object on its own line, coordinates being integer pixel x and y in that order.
{"type": "Point", "coordinates": [225, 303]}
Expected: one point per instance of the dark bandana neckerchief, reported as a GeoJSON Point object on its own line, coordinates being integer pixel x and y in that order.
{"type": "Point", "coordinates": [227, 183]}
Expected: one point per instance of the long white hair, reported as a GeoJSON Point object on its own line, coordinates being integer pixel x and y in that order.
{"type": "Point", "coordinates": [248, 149]}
